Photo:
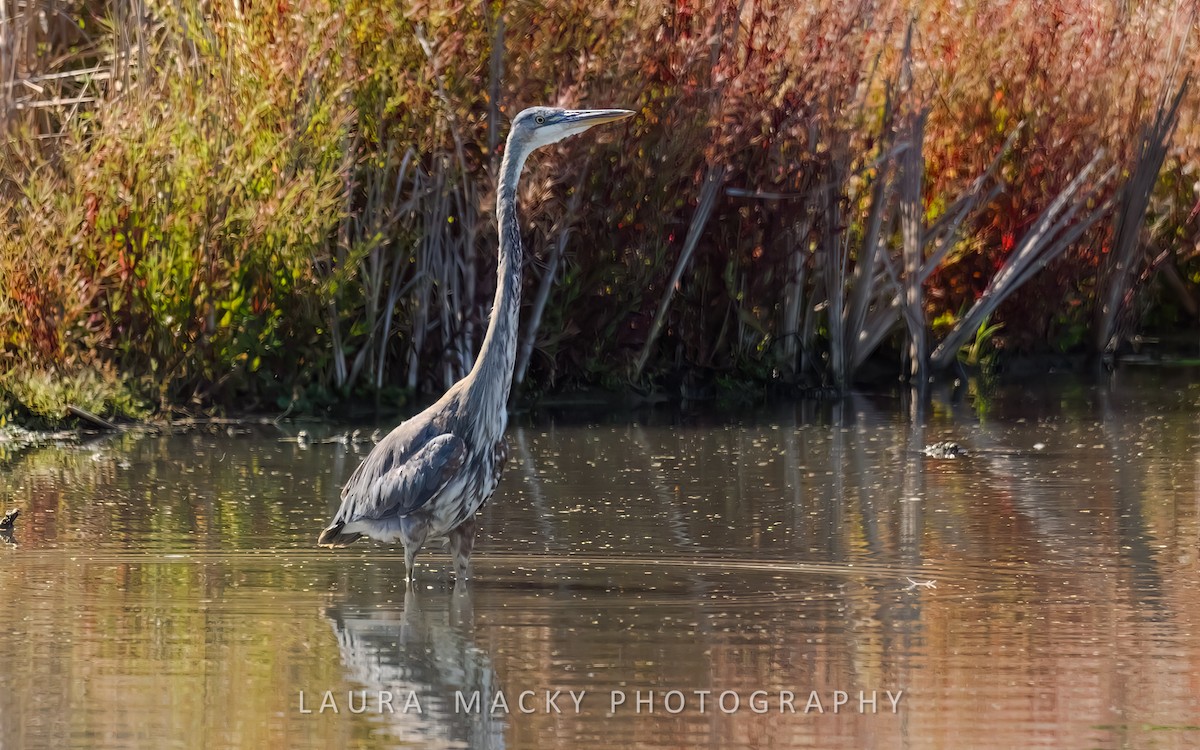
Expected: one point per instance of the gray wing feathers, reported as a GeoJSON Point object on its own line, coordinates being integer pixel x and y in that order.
{"type": "Point", "coordinates": [401, 489]}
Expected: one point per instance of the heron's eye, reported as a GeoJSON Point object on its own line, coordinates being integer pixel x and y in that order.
{"type": "Point", "coordinates": [540, 120]}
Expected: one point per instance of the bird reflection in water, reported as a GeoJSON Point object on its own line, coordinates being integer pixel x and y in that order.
{"type": "Point", "coordinates": [7, 524]}
{"type": "Point", "coordinates": [427, 653]}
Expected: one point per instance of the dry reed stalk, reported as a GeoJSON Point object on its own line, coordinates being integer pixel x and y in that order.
{"type": "Point", "coordinates": [496, 75]}
{"type": "Point", "coordinates": [899, 286]}
{"type": "Point", "coordinates": [833, 257]}
{"type": "Point", "coordinates": [1121, 264]}
{"type": "Point", "coordinates": [466, 261]}
{"type": "Point", "coordinates": [709, 190]}
{"type": "Point", "coordinates": [341, 371]}
{"type": "Point", "coordinates": [1171, 276]}
{"type": "Point", "coordinates": [398, 256]}
{"type": "Point", "coordinates": [862, 289]}
{"type": "Point", "coordinates": [16, 29]}
{"type": "Point", "coordinates": [943, 233]}
{"type": "Point", "coordinates": [911, 230]}
{"type": "Point", "coordinates": [1051, 234]}
{"type": "Point", "coordinates": [546, 284]}
{"type": "Point", "coordinates": [425, 278]}
{"type": "Point", "coordinates": [798, 253]}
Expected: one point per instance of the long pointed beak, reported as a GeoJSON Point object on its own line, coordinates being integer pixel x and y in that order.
{"type": "Point", "coordinates": [588, 117]}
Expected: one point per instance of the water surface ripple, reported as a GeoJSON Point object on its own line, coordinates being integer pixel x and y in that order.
{"type": "Point", "coordinates": [1041, 591]}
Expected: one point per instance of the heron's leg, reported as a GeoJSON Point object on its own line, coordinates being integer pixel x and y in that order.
{"type": "Point", "coordinates": [410, 565]}
{"type": "Point", "coordinates": [413, 532]}
{"type": "Point", "coordinates": [462, 541]}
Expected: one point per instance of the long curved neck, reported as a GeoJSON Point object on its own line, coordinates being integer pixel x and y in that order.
{"type": "Point", "coordinates": [490, 379]}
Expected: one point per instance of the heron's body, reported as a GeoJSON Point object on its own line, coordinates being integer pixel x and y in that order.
{"type": "Point", "coordinates": [462, 463]}
{"type": "Point", "coordinates": [427, 478]}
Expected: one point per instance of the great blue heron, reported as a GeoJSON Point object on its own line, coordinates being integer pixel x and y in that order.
{"type": "Point", "coordinates": [426, 479]}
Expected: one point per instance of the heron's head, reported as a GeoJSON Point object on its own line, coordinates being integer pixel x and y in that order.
{"type": "Point", "coordinates": [541, 126]}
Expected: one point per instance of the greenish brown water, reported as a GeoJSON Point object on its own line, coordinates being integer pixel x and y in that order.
{"type": "Point", "coordinates": [1043, 591]}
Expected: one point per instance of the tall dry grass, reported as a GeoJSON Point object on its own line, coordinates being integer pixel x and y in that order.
{"type": "Point", "coordinates": [285, 204]}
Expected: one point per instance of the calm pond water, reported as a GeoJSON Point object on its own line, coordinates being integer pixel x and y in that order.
{"type": "Point", "coordinates": [803, 569]}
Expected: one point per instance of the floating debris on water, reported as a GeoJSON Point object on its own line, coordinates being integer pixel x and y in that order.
{"type": "Point", "coordinates": [357, 437]}
{"type": "Point", "coordinates": [944, 449]}
{"type": "Point", "coordinates": [10, 517]}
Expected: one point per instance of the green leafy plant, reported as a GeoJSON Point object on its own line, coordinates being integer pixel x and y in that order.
{"type": "Point", "coordinates": [977, 352]}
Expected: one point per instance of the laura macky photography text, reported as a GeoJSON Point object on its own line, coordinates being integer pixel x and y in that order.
{"type": "Point", "coordinates": [545, 701]}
